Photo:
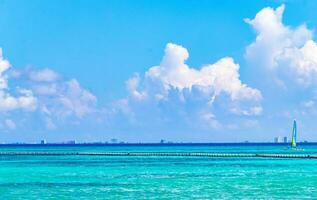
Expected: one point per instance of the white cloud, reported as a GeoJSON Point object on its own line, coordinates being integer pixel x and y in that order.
{"type": "Point", "coordinates": [283, 49]}
{"type": "Point", "coordinates": [25, 101]}
{"type": "Point", "coordinates": [57, 99]}
{"type": "Point", "coordinates": [210, 120]}
{"type": "Point", "coordinates": [255, 110]}
{"type": "Point", "coordinates": [45, 89]}
{"type": "Point", "coordinates": [65, 99]}
{"type": "Point", "coordinates": [8, 102]}
{"type": "Point", "coordinates": [44, 75]}
{"type": "Point", "coordinates": [132, 85]}
{"type": "Point", "coordinates": [4, 66]}
{"type": "Point", "coordinates": [302, 61]}
{"type": "Point", "coordinates": [175, 94]}
{"type": "Point", "coordinates": [217, 78]}
{"type": "Point", "coordinates": [76, 99]}
{"type": "Point", "coordinates": [60, 98]}
{"type": "Point", "coordinates": [211, 80]}
{"type": "Point", "coordinates": [308, 104]}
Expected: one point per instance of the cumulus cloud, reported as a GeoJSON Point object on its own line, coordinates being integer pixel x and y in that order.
{"type": "Point", "coordinates": [61, 101]}
{"type": "Point", "coordinates": [210, 120]}
{"type": "Point", "coordinates": [302, 61]}
{"type": "Point", "coordinates": [175, 93]}
{"type": "Point", "coordinates": [76, 99]}
{"type": "Point", "coordinates": [283, 49]}
{"type": "Point", "coordinates": [45, 89]}
{"type": "Point", "coordinates": [25, 100]}
{"type": "Point", "coordinates": [173, 73]}
{"type": "Point", "coordinates": [217, 78]}
{"type": "Point", "coordinates": [4, 66]}
{"type": "Point", "coordinates": [64, 98]}
{"type": "Point", "coordinates": [53, 99]}
{"type": "Point", "coordinates": [43, 75]}
{"type": "Point", "coordinates": [132, 86]}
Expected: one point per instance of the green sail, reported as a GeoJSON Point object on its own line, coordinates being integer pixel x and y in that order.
{"type": "Point", "coordinates": [294, 135]}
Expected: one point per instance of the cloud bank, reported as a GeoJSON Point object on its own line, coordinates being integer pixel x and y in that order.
{"type": "Point", "coordinates": [174, 91]}
{"type": "Point", "coordinates": [286, 50]}
{"type": "Point", "coordinates": [49, 96]}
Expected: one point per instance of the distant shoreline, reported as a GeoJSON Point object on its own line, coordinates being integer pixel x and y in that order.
{"type": "Point", "coordinates": [162, 144]}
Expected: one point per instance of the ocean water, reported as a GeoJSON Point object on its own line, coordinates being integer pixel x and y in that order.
{"type": "Point", "coordinates": [103, 177]}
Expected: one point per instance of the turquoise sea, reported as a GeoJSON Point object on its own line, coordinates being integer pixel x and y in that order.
{"type": "Point", "coordinates": [103, 177]}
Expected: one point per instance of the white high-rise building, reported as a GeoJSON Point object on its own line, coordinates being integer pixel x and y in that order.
{"type": "Point", "coordinates": [280, 139]}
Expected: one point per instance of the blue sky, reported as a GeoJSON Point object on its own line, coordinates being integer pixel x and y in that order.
{"type": "Point", "coordinates": [201, 71]}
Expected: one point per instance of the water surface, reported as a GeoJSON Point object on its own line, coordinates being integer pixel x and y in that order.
{"type": "Point", "coordinates": [102, 177]}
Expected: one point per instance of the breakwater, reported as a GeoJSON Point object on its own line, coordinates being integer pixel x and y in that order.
{"type": "Point", "coordinates": [163, 154]}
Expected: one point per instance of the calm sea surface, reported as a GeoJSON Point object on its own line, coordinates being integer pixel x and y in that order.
{"type": "Point", "coordinates": [102, 177]}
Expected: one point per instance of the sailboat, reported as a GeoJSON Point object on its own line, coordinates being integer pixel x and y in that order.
{"type": "Point", "coordinates": [293, 144]}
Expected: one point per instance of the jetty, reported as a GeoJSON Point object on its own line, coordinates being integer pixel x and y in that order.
{"type": "Point", "coordinates": [164, 154]}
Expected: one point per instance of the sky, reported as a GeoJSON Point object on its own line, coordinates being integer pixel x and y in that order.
{"type": "Point", "coordinates": [142, 71]}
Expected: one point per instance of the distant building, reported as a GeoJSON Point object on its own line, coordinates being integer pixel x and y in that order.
{"type": "Point", "coordinates": [285, 139]}
{"type": "Point", "coordinates": [114, 141]}
{"type": "Point", "coordinates": [43, 141]}
{"type": "Point", "coordinates": [71, 142]}
{"type": "Point", "coordinates": [280, 139]}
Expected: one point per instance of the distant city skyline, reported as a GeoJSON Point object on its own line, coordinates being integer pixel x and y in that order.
{"type": "Point", "coordinates": [146, 71]}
